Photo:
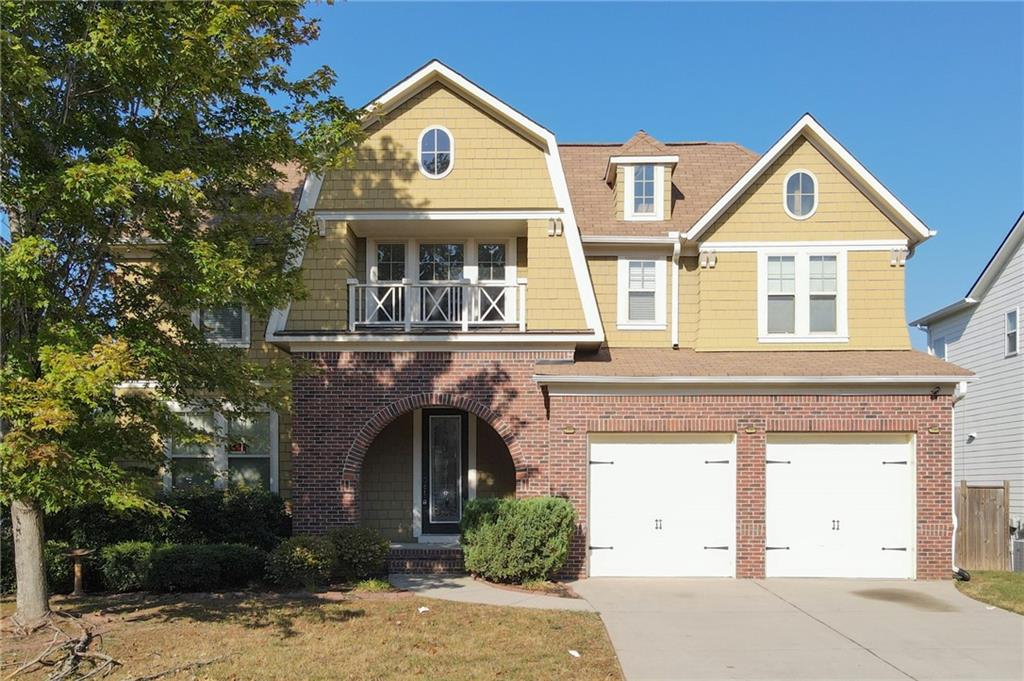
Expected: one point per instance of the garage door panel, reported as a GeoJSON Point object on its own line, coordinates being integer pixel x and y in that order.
{"type": "Point", "coordinates": [658, 504]}
{"type": "Point", "coordinates": [840, 506]}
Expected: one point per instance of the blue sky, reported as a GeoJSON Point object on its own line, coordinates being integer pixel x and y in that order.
{"type": "Point", "coordinates": [929, 96]}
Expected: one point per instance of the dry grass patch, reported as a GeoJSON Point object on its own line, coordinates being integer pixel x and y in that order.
{"type": "Point", "coordinates": [369, 637]}
{"type": "Point", "coordinates": [1001, 589]}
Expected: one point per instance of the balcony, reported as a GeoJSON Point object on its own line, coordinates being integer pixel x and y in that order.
{"type": "Point", "coordinates": [455, 305]}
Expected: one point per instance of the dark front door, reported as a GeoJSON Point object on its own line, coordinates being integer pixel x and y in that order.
{"type": "Point", "coordinates": [445, 469]}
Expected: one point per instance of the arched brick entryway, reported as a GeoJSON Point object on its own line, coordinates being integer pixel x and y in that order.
{"type": "Point", "coordinates": [364, 438]}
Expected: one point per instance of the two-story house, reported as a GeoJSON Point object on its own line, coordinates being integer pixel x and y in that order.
{"type": "Point", "coordinates": [981, 331]}
{"type": "Point", "coordinates": [703, 349]}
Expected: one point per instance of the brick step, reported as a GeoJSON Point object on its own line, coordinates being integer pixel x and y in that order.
{"type": "Point", "coordinates": [443, 560]}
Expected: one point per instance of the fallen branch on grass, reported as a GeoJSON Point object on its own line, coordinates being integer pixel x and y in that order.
{"type": "Point", "coordinates": [180, 668]}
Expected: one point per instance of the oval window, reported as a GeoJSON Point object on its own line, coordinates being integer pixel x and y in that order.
{"type": "Point", "coordinates": [801, 194]}
{"type": "Point", "coordinates": [436, 153]}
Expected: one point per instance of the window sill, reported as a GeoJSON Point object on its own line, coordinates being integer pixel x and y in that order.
{"type": "Point", "coordinates": [803, 339]}
{"type": "Point", "coordinates": [232, 344]}
{"type": "Point", "coordinates": [644, 218]}
{"type": "Point", "coordinates": [629, 326]}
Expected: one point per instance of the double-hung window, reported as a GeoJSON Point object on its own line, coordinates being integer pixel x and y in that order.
{"type": "Point", "coordinates": [1012, 326]}
{"type": "Point", "coordinates": [641, 299]}
{"type": "Point", "coordinates": [224, 324]}
{"type": "Point", "coordinates": [644, 195]}
{"type": "Point", "coordinates": [390, 262]}
{"type": "Point", "coordinates": [223, 449]}
{"type": "Point", "coordinates": [802, 297]}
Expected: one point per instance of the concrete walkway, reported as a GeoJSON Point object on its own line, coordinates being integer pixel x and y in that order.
{"type": "Point", "coordinates": [804, 629]}
{"type": "Point", "coordinates": [469, 590]}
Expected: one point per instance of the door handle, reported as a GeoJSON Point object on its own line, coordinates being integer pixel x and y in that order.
{"type": "Point", "coordinates": [835, 525]}
{"type": "Point", "coordinates": [601, 548]}
{"type": "Point", "coordinates": [776, 548]}
{"type": "Point", "coordinates": [657, 523]}
{"type": "Point", "coordinates": [716, 548]}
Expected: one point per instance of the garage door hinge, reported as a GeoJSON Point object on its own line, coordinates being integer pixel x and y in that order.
{"type": "Point", "coordinates": [716, 548]}
{"type": "Point", "coordinates": [894, 548]}
{"type": "Point", "coordinates": [717, 461]}
{"type": "Point", "coordinates": [601, 548]}
{"type": "Point", "coordinates": [776, 461]}
{"type": "Point", "coordinates": [601, 463]}
{"type": "Point", "coordinates": [894, 463]}
{"type": "Point", "coordinates": [776, 548]}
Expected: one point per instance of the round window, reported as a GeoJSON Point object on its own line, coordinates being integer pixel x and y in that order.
{"type": "Point", "coordinates": [436, 153]}
{"type": "Point", "coordinates": [801, 194]}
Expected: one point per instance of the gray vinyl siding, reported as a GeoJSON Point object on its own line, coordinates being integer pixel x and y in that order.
{"type": "Point", "coordinates": [994, 405]}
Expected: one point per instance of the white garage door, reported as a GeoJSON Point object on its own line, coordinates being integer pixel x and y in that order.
{"type": "Point", "coordinates": [662, 505]}
{"type": "Point", "coordinates": [840, 506]}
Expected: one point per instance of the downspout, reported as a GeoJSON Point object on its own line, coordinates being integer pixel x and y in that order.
{"type": "Point", "coordinates": [677, 250]}
{"type": "Point", "coordinates": [958, 394]}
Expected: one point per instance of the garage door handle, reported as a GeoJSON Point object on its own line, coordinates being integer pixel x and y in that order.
{"type": "Point", "coordinates": [776, 461]}
{"type": "Point", "coordinates": [894, 548]}
{"type": "Point", "coordinates": [718, 461]}
{"type": "Point", "coordinates": [600, 548]}
{"type": "Point", "coordinates": [894, 463]}
{"type": "Point", "coordinates": [776, 548]}
{"type": "Point", "coordinates": [716, 548]}
{"type": "Point", "coordinates": [602, 463]}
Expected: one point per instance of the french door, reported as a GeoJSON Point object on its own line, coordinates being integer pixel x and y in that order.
{"type": "Point", "coordinates": [445, 469]}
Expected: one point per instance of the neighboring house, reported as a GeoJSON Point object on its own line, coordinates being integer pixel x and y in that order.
{"type": "Point", "coordinates": [982, 332]}
{"type": "Point", "coordinates": [703, 349]}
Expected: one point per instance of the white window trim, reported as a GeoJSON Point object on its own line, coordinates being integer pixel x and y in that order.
{"type": "Point", "coordinates": [246, 340]}
{"type": "Point", "coordinates": [470, 270]}
{"type": "Point", "coordinates": [802, 265]}
{"type": "Point", "coordinates": [817, 192]}
{"type": "Point", "coordinates": [659, 195]}
{"type": "Point", "coordinates": [220, 453]}
{"type": "Point", "coordinates": [622, 286]}
{"type": "Point", "coordinates": [419, 152]}
{"type": "Point", "coordinates": [1006, 332]}
{"type": "Point", "coordinates": [932, 342]}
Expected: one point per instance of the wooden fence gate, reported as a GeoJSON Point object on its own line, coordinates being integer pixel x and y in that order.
{"type": "Point", "coordinates": [983, 527]}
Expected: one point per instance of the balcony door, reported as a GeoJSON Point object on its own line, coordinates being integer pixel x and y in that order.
{"type": "Point", "coordinates": [445, 469]}
{"type": "Point", "coordinates": [441, 263]}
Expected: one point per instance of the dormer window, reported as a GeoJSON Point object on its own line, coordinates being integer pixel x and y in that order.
{"type": "Point", "coordinates": [645, 192]}
{"type": "Point", "coordinates": [437, 152]}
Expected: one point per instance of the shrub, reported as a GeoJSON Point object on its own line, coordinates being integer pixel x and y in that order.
{"type": "Point", "coordinates": [518, 540]}
{"type": "Point", "coordinates": [125, 566]}
{"type": "Point", "coordinates": [60, 576]}
{"type": "Point", "coordinates": [359, 552]}
{"type": "Point", "coordinates": [302, 561]}
{"type": "Point", "coordinates": [204, 516]}
{"type": "Point", "coordinates": [60, 572]}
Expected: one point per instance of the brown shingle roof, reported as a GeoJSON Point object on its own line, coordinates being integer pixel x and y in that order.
{"type": "Point", "coordinates": [646, 362]}
{"type": "Point", "coordinates": [705, 171]}
{"type": "Point", "coordinates": [642, 144]}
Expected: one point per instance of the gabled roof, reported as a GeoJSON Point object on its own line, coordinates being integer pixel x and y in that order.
{"type": "Point", "coordinates": [642, 144]}
{"type": "Point", "coordinates": [704, 172]}
{"type": "Point", "coordinates": [1011, 242]}
{"type": "Point", "coordinates": [810, 129]}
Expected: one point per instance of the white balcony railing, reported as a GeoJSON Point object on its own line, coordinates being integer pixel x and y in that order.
{"type": "Point", "coordinates": [459, 304]}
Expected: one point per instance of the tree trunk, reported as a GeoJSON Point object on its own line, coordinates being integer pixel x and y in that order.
{"type": "Point", "coordinates": [29, 565]}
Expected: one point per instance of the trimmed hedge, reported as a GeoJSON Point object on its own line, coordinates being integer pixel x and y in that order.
{"type": "Point", "coordinates": [131, 566]}
{"type": "Point", "coordinates": [517, 540]}
{"type": "Point", "coordinates": [359, 553]}
{"type": "Point", "coordinates": [303, 561]}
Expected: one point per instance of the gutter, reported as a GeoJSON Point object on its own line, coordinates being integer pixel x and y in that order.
{"type": "Point", "coordinates": [677, 250]}
{"type": "Point", "coordinates": [958, 394]}
{"type": "Point", "coordinates": [556, 379]}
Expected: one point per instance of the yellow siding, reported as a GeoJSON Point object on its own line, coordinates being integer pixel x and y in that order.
{"type": "Point", "coordinates": [552, 298]}
{"type": "Point", "coordinates": [604, 274]}
{"type": "Point", "coordinates": [328, 263]}
{"type": "Point", "coordinates": [620, 193]}
{"type": "Point", "coordinates": [494, 166]}
{"type": "Point", "coordinates": [875, 312]}
{"type": "Point", "coordinates": [843, 212]}
{"type": "Point", "coordinates": [689, 301]}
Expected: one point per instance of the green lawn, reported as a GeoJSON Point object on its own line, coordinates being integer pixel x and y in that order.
{"type": "Point", "coordinates": [1002, 589]}
{"type": "Point", "coordinates": [361, 636]}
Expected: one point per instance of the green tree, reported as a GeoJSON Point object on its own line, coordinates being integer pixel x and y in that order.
{"type": "Point", "coordinates": [152, 126]}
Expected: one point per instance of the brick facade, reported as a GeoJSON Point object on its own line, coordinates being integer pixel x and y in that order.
{"type": "Point", "coordinates": [339, 409]}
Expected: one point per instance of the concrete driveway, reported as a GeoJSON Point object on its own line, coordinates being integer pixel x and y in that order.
{"type": "Point", "coordinates": [804, 629]}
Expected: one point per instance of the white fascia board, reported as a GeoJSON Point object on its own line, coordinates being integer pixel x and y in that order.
{"type": "Point", "coordinates": [381, 340]}
{"type": "Point", "coordinates": [998, 261]}
{"type": "Point", "coordinates": [421, 345]}
{"type": "Point", "coordinates": [369, 215]}
{"type": "Point", "coordinates": [644, 159]}
{"type": "Point", "coordinates": [742, 246]}
{"type": "Point", "coordinates": [563, 379]}
{"type": "Point", "coordinates": [929, 319]}
{"type": "Point", "coordinates": [630, 240]}
{"type": "Point", "coordinates": [810, 128]}
{"type": "Point", "coordinates": [278, 318]}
